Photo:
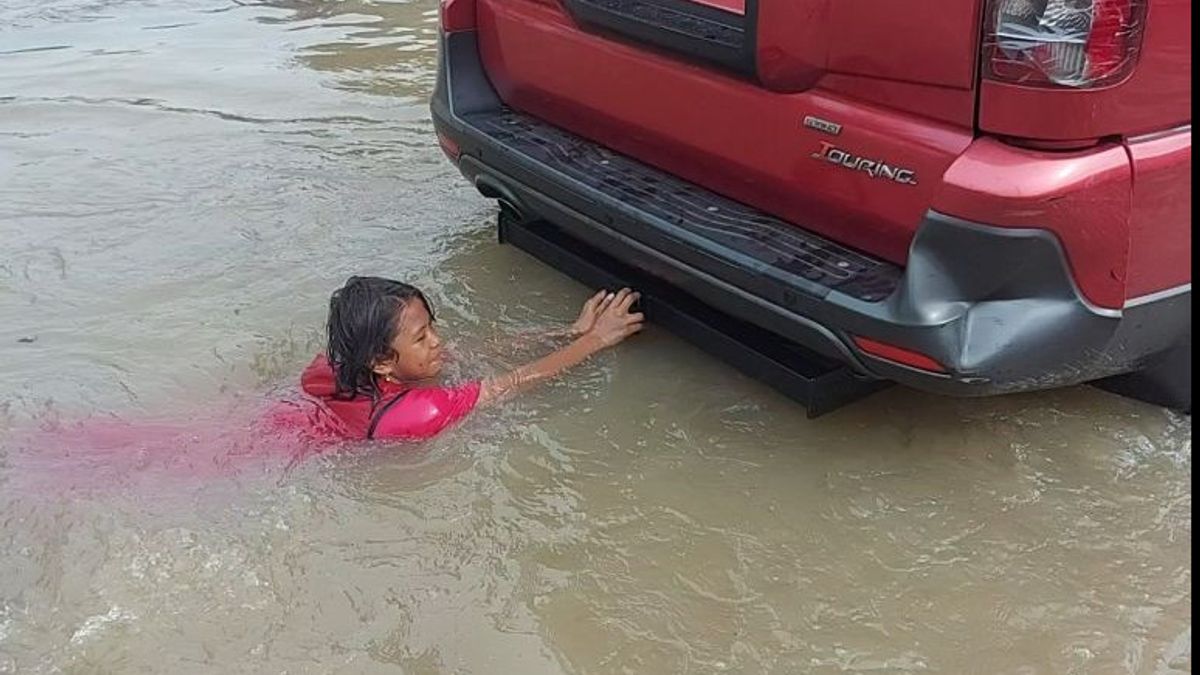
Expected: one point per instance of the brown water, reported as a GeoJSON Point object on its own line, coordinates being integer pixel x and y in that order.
{"type": "Point", "coordinates": [183, 183]}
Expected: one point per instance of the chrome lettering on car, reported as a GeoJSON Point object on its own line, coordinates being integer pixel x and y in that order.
{"type": "Point", "coordinates": [831, 128]}
{"type": "Point", "coordinates": [872, 167]}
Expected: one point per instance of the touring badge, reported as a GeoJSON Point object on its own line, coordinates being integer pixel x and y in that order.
{"type": "Point", "coordinates": [872, 167]}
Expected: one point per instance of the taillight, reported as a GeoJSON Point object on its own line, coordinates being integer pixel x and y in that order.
{"type": "Point", "coordinates": [1066, 43]}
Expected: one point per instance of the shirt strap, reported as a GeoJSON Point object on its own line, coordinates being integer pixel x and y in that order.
{"type": "Point", "coordinates": [381, 411]}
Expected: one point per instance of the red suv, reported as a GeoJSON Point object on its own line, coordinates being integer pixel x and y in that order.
{"type": "Point", "coordinates": [971, 197]}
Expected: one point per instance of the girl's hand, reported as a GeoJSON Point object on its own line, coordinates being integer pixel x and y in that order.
{"type": "Point", "coordinates": [614, 322]}
{"type": "Point", "coordinates": [606, 320]}
{"type": "Point", "coordinates": [591, 309]}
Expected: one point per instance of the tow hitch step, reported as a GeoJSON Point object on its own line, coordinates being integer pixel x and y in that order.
{"type": "Point", "coordinates": [820, 384]}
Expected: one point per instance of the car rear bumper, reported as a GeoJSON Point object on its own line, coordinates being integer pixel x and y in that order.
{"type": "Point", "coordinates": [995, 307]}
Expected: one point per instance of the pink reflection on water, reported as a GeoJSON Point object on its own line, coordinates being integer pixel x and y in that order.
{"type": "Point", "coordinates": [113, 453]}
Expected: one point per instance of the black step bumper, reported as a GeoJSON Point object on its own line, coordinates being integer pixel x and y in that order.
{"type": "Point", "coordinates": [997, 307]}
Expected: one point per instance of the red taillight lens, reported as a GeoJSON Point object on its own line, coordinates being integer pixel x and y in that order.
{"type": "Point", "coordinates": [1064, 43]}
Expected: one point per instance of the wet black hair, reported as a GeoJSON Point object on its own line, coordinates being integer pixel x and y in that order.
{"type": "Point", "coordinates": [361, 327]}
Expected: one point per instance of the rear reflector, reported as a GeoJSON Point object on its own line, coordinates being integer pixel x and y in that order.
{"type": "Point", "coordinates": [449, 146]}
{"type": "Point", "coordinates": [1062, 43]}
{"type": "Point", "coordinates": [905, 357]}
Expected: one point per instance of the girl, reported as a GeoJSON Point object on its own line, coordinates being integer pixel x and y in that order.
{"type": "Point", "coordinates": [382, 344]}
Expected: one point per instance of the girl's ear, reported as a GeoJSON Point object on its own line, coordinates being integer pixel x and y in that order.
{"type": "Point", "coordinates": [383, 367]}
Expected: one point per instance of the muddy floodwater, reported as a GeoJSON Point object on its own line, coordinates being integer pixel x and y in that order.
{"type": "Point", "coordinates": [183, 182]}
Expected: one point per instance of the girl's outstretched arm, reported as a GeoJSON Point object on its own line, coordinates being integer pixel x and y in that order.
{"type": "Point", "coordinates": [604, 322]}
{"type": "Point", "coordinates": [587, 316]}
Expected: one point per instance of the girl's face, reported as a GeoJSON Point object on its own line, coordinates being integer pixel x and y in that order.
{"type": "Point", "coordinates": [416, 349]}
